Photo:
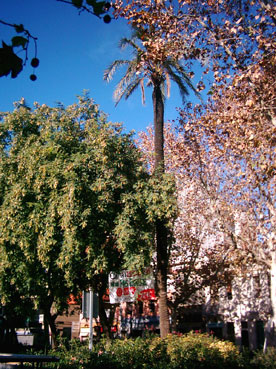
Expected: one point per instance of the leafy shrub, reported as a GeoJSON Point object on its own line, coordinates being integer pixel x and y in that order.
{"type": "Point", "coordinates": [73, 354]}
{"type": "Point", "coordinates": [192, 351]}
{"type": "Point", "coordinates": [139, 353]}
{"type": "Point", "coordinates": [265, 360]}
{"type": "Point", "coordinates": [76, 355]}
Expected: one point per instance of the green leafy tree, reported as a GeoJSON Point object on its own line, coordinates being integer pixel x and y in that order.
{"type": "Point", "coordinates": [65, 175]}
{"type": "Point", "coordinates": [157, 72]}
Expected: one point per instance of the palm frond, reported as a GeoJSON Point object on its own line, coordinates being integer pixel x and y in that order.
{"type": "Point", "coordinates": [180, 83]}
{"type": "Point", "coordinates": [149, 83]}
{"type": "Point", "coordinates": [124, 42]}
{"type": "Point", "coordinates": [162, 86]}
{"type": "Point", "coordinates": [183, 76]}
{"type": "Point", "coordinates": [131, 88]}
{"type": "Point", "coordinates": [126, 91]}
{"type": "Point", "coordinates": [142, 90]}
{"type": "Point", "coordinates": [109, 72]}
{"type": "Point", "coordinates": [129, 75]}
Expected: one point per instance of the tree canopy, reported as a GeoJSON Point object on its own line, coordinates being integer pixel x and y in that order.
{"type": "Point", "coordinates": [66, 178]}
{"type": "Point", "coordinates": [236, 140]}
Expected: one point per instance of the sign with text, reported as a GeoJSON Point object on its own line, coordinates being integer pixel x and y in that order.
{"type": "Point", "coordinates": [130, 286]}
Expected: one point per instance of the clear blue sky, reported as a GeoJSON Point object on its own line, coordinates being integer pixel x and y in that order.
{"type": "Point", "coordinates": [74, 51]}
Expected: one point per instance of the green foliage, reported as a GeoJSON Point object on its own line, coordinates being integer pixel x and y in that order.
{"type": "Point", "coordinates": [201, 351]}
{"type": "Point", "coordinates": [181, 352]}
{"type": "Point", "coordinates": [175, 352]}
{"type": "Point", "coordinates": [153, 199]}
{"type": "Point", "coordinates": [76, 355]}
{"type": "Point", "coordinates": [73, 354]}
{"type": "Point", "coordinates": [263, 360]}
{"type": "Point", "coordinates": [152, 352]}
{"type": "Point", "coordinates": [64, 176]}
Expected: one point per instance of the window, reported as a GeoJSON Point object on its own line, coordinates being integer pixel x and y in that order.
{"type": "Point", "coordinates": [244, 338]}
{"type": "Point", "coordinates": [260, 333]}
{"type": "Point", "coordinates": [230, 331]}
{"type": "Point", "coordinates": [257, 286]}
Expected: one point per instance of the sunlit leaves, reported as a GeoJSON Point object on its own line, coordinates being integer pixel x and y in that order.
{"type": "Point", "coordinates": [153, 200]}
{"type": "Point", "coordinates": [220, 36]}
{"type": "Point", "coordinates": [64, 176]}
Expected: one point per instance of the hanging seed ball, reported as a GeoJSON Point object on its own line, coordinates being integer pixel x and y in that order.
{"type": "Point", "coordinates": [107, 18]}
{"type": "Point", "coordinates": [35, 62]}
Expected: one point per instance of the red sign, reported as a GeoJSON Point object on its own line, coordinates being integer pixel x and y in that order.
{"type": "Point", "coordinates": [146, 295]}
{"type": "Point", "coordinates": [125, 291]}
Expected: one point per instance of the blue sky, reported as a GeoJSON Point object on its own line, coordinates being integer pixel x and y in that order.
{"type": "Point", "coordinates": [74, 50]}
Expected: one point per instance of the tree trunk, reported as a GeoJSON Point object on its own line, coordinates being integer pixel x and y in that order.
{"type": "Point", "coordinates": [161, 231]}
{"type": "Point", "coordinates": [106, 322]}
{"type": "Point", "coordinates": [51, 322]}
{"type": "Point", "coordinates": [46, 335]}
{"type": "Point", "coordinates": [100, 285]}
{"type": "Point", "coordinates": [158, 109]}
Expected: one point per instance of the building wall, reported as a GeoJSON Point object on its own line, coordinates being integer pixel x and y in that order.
{"type": "Point", "coordinates": [68, 325]}
{"type": "Point", "coordinates": [240, 310]}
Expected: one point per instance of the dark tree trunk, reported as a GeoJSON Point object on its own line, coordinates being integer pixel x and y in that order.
{"type": "Point", "coordinates": [161, 231]}
{"type": "Point", "coordinates": [46, 336]}
{"type": "Point", "coordinates": [50, 319]}
{"type": "Point", "coordinates": [100, 285]}
{"type": "Point", "coordinates": [106, 322]}
{"type": "Point", "coordinates": [158, 109]}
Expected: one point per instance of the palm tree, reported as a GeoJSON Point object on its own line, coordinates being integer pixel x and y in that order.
{"type": "Point", "coordinates": [157, 73]}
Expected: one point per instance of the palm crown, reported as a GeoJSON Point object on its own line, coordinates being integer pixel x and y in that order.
{"type": "Point", "coordinates": [142, 69]}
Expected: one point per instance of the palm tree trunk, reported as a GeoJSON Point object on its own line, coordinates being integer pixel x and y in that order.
{"type": "Point", "coordinates": [158, 111]}
{"type": "Point", "coordinates": [161, 230]}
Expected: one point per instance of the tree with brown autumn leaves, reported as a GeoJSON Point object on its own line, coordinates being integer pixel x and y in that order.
{"type": "Point", "coordinates": [239, 128]}
{"type": "Point", "coordinates": [219, 37]}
